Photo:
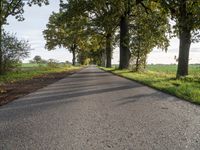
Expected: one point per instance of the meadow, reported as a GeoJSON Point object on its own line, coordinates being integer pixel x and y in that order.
{"type": "Point", "coordinates": [163, 77]}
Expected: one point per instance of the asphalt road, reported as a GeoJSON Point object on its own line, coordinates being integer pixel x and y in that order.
{"type": "Point", "coordinates": [95, 110]}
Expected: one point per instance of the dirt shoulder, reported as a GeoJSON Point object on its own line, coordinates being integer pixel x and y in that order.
{"type": "Point", "coordinates": [18, 89]}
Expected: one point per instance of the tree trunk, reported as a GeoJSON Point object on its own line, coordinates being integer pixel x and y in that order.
{"type": "Point", "coordinates": [145, 61]}
{"type": "Point", "coordinates": [1, 55]}
{"type": "Point", "coordinates": [184, 48]}
{"type": "Point", "coordinates": [1, 26]}
{"type": "Point", "coordinates": [108, 50]}
{"type": "Point", "coordinates": [185, 41]}
{"type": "Point", "coordinates": [103, 59]}
{"type": "Point", "coordinates": [73, 50]}
{"type": "Point", "coordinates": [74, 56]}
{"type": "Point", "coordinates": [124, 43]}
{"type": "Point", "coordinates": [137, 66]}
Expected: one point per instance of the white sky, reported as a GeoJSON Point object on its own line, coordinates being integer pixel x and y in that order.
{"type": "Point", "coordinates": [35, 22]}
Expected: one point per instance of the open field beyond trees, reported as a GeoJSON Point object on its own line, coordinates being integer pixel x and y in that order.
{"type": "Point", "coordinates": [163, 77]}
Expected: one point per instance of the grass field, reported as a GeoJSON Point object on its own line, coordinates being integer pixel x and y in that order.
{"type": "Point", "coordinates": [162, 77]}
{"type": "Point", "coordinates": [30, 65]}
{"type": "Point", "coordinates": [28, 71]}
{"type": "Point", "coordinates": [193, 69]}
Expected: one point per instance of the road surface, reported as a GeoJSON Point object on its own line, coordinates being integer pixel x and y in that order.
{"type": "Point", "coordinates": [95, 110]}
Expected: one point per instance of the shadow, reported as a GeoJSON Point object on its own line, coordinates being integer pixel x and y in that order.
{"type": "Point", "coordinates": [95, 75]}
{"type": "Point", "coordinates": [64, 92]}
{"type": "Point", "coordinates": [31, 109]}
{"type": "Point", "coordinates": [65, 87]}
{"type": "Point", "coordinates": [155, 96]}
{"type": "Point", "coordinates": [96, 71]}
{"type": "Point", "coordinates": [32, 105]}
{"type": "Point", "coordinates": [32, 100]}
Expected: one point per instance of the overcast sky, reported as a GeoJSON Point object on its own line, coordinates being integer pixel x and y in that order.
{"type": "Point", "coordinates": [35, 22]}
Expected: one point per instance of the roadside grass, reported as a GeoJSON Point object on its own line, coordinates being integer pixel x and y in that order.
{"type": "Point", "coordinates": [30, 65]}
{"type": "Point", "coordinates": [33, 71]}
{"type": "Point", "coordinates": [162, 77]}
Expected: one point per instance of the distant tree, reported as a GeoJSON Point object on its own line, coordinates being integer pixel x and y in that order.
{"type": "Point", "coordinates": [68, 62]}
{"type": "Point", "coordinates": [62, 32]}
{"type": "Point", "coordinates": [37, 59]}
{"type": "Point", "coordinates": [52, 63]}
{"type": "Point", "coordinates": [13, 50]}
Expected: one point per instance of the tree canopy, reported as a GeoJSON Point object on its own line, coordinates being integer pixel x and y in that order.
{"type": "Point", "coordinates": [94, 27]}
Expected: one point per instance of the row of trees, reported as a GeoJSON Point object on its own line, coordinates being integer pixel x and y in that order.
{"type": "Point", "coordinates": [90, 29]}
{"type": "Point", "coordinates": [39, 60]}
{"type": "Point", "coordinates": [136, 26]}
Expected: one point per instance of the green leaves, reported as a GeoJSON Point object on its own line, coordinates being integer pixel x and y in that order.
{"type": "Point", "coordinates": [146, 32]}
{"type": "Point", "coordinates": [13, 50]}
{"type": "Point", "coordinates": [16, 8]}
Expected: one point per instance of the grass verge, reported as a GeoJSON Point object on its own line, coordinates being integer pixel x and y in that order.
{"type": "Point", "coordinates": [187, 88]}
{"type": "Point", "coordinates": [15, 76]}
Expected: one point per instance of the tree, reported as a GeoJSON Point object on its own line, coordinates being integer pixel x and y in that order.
{"type": "Point", "coordinates": [147, 30]}
{"type": "Point", "coordinates": [186, 15]}
{"type": "Point", "coordinates": [117, 15]}
{"type": "Point", "coordinates": [64, 31]}
{"type": "Point", "coordinates": [123, 12]}
{"type": "Point", "coordinates": [13, 8]}
{"type": "Point", "coordinates": [13, 50]}
{"type": "Point", "coordinates": [101, 20]}
{"type": "Point", "coordinates": [37, 59]}
{"type": "Point", "coordinates": [105, 18]}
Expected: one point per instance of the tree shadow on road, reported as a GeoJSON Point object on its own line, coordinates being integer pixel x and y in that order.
{"type": "Point", "coordinates": [150, 97]}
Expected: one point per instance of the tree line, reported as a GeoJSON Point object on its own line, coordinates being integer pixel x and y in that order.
{"type": "Point", "coordinates": [91, 29]}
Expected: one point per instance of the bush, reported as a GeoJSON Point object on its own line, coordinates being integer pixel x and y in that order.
{"type": "Point", "coordinates": [13, 50]}
{"type": "Point", "coordinates": [52, 63]}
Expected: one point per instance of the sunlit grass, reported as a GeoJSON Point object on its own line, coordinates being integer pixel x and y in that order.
{"type": "Point", "coordinates": [163, 78]}
{"type": "Point", "coordinates": [34, 71]}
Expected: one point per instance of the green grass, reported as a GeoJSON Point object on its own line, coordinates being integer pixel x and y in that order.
{"type": "Point", "coordinates": [193, 69]}
{"type": "Point", "coordinates": [28, 65]}
{"type": "Point", "coordinates": [162, 77]}
{"type": "Point", "coordinates": [32, 72]}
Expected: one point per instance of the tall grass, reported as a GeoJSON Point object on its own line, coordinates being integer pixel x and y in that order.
{"type": "Point", "coordinates": [31, 72]}
{"type": "Point", "coordinates": [162, 77]}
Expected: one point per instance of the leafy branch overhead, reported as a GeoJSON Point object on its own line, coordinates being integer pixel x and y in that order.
{"type": "Point", "coordinates": [16, 8]}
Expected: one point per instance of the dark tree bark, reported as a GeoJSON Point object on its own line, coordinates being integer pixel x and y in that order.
{"type": "Point", "coordinates": [145, 61]}
{"type": "Point", "coordinates": [103, 59]}
{"type": "Point", "coordinates": [1, 24]}
{"type": "Point", "coordinates": [137, 66]}
{"type": "Point", "coordinates": [124, 43]}
{"type": "Point", "coordinates": [1, 55]}
{"type": "Point", "coordinates": [184, 48]}
{"type": "Point", "coordinates": [185, 41]}
{"type": "Point", "coordinates": [74, 58]}
{"type": "Point", "coordinates": [73, 49]}
{"type": "Point", "coordinates": [108, 50]}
